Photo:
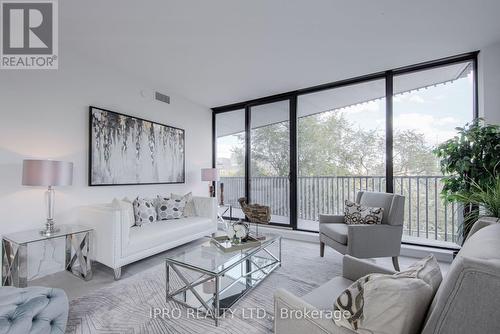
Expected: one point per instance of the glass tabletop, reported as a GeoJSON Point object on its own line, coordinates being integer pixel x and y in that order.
{"type": "Point", "coordinates": [207, 257]}
{"type": "Point", "coordinates": [29, 236]}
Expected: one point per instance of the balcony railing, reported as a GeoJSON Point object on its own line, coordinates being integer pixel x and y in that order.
{"type": "Point", "coordinates": [426, 215]}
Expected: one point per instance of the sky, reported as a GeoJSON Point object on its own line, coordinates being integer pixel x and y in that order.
{"type": "Point", "coordinates": [435, 112]}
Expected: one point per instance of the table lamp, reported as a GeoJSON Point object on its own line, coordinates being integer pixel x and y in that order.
{"type": "Point", "coordinates": [48, 173]}
{"type": "Point", "coordinates": [210, 175]}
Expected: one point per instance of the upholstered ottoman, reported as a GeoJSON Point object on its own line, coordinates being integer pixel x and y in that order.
{"type": "Point", "coordinates": [33, 310]}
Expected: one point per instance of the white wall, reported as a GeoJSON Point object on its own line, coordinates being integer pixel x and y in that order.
{"type": "Point", "coordinates": [44, 114]}
{"type": "Point", "coordinates": [489, 83]}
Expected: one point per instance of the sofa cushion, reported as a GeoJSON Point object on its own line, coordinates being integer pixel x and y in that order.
{"type": "Point", "coordinates": [379, 303]}
{"type": "Point", "coordinates": [337, 232]}
{"type": "Point", "coordinates": [321, 297]}
{"type": "Point", "coordinates": [161, 232]}
{"type": "Point", "coordinates": [189, 209]}
{"type": "Point", "coordinates": [428, 270]}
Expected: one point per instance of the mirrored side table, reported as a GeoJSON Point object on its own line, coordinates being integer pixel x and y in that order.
{"type": "Point", "coordinates": [15, 253]}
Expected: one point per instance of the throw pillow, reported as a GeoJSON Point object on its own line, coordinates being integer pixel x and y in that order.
{"type": "Point", "coordinates": [189, 209]}
{"type": "Point", "coordinates": [169, 208]}
{"type": "Point", "coordinates": [127, 210]}
{"type": "Point", "coordinates": [428, 270]}
{"type": "Point", "coordinates": [355, 213]}
{"type": "Point", "coordinates": [144, 211]}
{"type": "Point", "coordinates": [398, 303]}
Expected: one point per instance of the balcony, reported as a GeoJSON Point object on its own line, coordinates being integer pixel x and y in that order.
{"type": "Point", "coordinates": [428, 220]}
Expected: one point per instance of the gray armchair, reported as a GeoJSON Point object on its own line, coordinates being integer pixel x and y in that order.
{"type": "Point", "coordinates": [363, 240]}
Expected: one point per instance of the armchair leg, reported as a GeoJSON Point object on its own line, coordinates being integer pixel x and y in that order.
{"type": "Point", "coordinates": [321, 249]}
{"type": "Point", "coordinates": [395, 263]}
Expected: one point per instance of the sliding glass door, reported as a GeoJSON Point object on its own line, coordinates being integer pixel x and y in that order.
{"type": "Point", "coordinates": [270, 158]}
{"type": "Point", "coordinates": [341, 148]}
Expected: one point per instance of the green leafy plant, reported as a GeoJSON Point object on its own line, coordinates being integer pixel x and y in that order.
{"type": "Point", "coordinates": [472, 155]}
{"type": "Point", "coordinates": [483, 201]}
{"type": "Point", "coordinates": [469, 162]}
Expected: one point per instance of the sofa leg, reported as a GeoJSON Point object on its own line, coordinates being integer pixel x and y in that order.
{"type": "Point", "coordinates": [118, 273]}
{"type": "Point", "coordinates": [321, 249]}
{"type": "Point", "coordinates": [395, 263]}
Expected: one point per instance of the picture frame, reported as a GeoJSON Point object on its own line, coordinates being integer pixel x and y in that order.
{"type": "Point", "coordinates": [128, 150]}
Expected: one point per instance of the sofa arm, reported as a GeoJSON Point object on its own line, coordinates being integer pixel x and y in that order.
{"type": "Point", "coordinates": [326, 219]}
{"type": "Point", "coordinates": [109, 233]}
{"type": "Point", "coordinates": [354, 269]}
{"type": "Point", "coordinates": [292, 315]}
{"type": "Point", "coordinates": [206, 207]}
{"type": "Point", "coordinates": [373, 240]}
{"type": "Point", "coordinates": [481, 223]}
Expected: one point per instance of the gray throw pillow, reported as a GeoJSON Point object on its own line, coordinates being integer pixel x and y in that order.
{"type": "Point", "coordinates": [144, 211]}
{"type": "Point", "coordinates": [190, 209]}
{"type": "Point", "coordinates": [355, 213]}
{"type": "Point", "coordinates": [169, 208]}
{"type": "Point", "coordinates": [378, 303]}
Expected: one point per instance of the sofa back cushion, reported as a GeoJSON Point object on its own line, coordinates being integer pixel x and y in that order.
{"type": "Point", "coordinates": [468, 299]}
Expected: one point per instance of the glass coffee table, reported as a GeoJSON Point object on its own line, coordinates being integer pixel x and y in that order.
{"type": "Point", "coordinates": [209, 281]}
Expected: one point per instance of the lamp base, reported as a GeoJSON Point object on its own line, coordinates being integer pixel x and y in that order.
{"type": "Point", "coordinates": [49, 229]}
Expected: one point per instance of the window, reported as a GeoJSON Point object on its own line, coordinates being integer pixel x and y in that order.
{"type": "Point", "coordinates": [341, 148]}
{"type": "Point", "coordinates": [428, 106]}
{"type": "Point", "coordinates": [316, 147]}
{"type": "Point", "coordinates": [230, 158]}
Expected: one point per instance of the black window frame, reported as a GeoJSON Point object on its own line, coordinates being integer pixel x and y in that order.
{"type": "Point", "coordinates": [292, 96]}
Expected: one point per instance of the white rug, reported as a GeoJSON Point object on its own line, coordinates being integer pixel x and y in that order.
{"type": "Point", "coordinates": [125, 307]}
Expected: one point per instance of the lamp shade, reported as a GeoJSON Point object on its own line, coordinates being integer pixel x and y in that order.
{"type": "Point", "coordinates": [47, 173]}
{"type": "Point", "coordinates": [209, 174]}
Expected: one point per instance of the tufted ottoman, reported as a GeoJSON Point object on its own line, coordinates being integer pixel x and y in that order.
{"type": "Point", "coordinates": [33, 310]}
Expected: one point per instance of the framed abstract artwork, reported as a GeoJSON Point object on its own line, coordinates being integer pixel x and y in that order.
{"type": "Point", "coordinates": [126, 150]}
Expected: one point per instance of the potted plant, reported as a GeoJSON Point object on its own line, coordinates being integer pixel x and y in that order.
{"type": "Point", "coordinates": [470, 163]}
{"type": "Point", "coordinates": [483, 200]}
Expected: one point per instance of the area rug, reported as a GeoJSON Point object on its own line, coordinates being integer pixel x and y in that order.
{"type": "Point", "coordinates": [127, 306]}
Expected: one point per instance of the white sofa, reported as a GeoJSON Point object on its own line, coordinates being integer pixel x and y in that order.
{"type": "Point", "coordinates": [117, 242]}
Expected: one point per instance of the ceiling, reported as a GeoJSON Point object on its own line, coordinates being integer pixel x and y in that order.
{"type": "Point", "coordinates": [224, 51]}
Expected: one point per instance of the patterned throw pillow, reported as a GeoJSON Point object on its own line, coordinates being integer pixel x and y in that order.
{"type": "Point", "coordinates": [144, 211]}
{"type": "Point", "coordinates": [354, 213]}
{"type": "Point", "coordinates": [398, 303]}
{"type": "Point", "coordinates": [189, 209]}
{"type": "Point", "coordinates": [169, 208]}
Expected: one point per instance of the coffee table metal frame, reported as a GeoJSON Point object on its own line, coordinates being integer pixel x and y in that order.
{"type": "Point", "coordinates": [212, 305]}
